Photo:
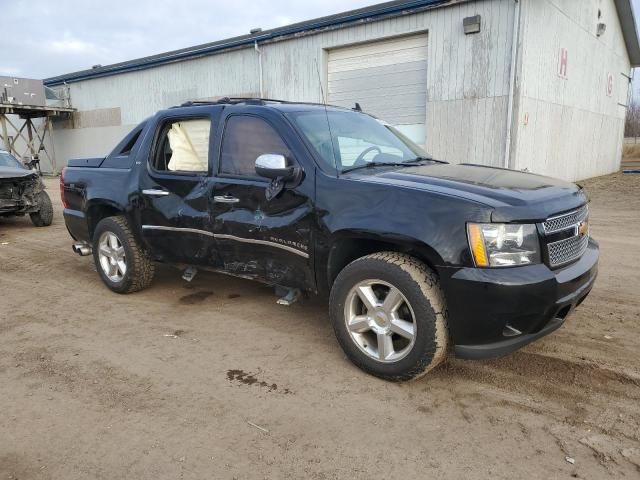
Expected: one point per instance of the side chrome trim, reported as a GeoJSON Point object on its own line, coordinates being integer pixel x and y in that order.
{"type": "Point", "coordinates": [254, 241]}
{"type": "Point", "coordinates": [176, 229]}
{"type": "Point", "coordinates": [262, 242]}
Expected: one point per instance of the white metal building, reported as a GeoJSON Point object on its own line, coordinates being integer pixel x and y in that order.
{"type": "Point", "coordinates": [527, 84]}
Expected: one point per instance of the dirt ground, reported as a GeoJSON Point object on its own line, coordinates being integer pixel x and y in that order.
{"type": "Point", "coordinates": [214, 380]}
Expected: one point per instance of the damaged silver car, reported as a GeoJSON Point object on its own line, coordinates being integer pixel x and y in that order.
{"type": "Point", "coordinates": [22, 192]}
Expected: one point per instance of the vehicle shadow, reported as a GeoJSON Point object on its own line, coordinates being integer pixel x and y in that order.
{"type": "Point", "coordinates": [18, 222]}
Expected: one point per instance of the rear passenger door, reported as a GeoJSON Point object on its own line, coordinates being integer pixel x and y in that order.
{"type": "Point", "coordinates": [268, 240]}
{"type": "Point", "coordinates": [175, 190]}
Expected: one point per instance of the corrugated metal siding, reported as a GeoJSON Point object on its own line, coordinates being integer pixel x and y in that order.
{"type": "Point", "coordinates": [469, 83]}
{"type": "Point", "coordinates": [467, 77]}
{"type": "Point", "coordinates": [140, 94]}
{"type": "Point", "coordinates": [569, 127]}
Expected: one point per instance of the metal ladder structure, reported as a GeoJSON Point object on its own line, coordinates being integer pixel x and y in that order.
{"type": "Point", "coordinates": [33, 135]}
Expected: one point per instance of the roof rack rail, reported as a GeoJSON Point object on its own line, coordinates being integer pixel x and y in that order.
{"type": "Point", "coordinates": [256, 101]}
{"type": "Point", "coordinates": [233, 101]}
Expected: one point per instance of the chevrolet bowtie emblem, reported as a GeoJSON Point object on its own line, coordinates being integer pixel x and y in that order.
{"type": "Point", "coordinates": [583, 228]}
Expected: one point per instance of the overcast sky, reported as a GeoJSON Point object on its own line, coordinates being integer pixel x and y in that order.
{"type": "Point", "coordinates": [44, 38]}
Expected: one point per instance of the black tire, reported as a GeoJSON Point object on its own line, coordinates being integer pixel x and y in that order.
{"type": "Point", "coordinates": [139, 265]}
{"type": "Point", "coordinates": [421, 290]}
{"type": "Point", "coordinates": [44, 216]}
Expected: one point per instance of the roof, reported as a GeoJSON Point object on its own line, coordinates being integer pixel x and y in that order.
{"type": "Point", "coordinates": [373, 12]}
{"type": "Point", "coordinates": [629, 30]}
{"type": "Point", "coordinates": [381, 10]}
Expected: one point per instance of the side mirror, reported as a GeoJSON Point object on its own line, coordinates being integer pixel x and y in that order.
{"type": "Point", "coordinates": [32, 163]}
{"type": "Point", "coordinates": [271, 165]}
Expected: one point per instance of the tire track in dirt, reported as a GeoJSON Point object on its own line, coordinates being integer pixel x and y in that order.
{"type": "Point", "coordinates": [576, 393]}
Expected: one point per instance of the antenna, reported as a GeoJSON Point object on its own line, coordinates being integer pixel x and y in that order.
{"type": "Point", "coordinates": [324, 100]}
{"type": "Point", "coordinates": [326, 114]}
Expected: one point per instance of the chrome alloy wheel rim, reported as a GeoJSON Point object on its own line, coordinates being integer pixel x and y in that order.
{"type": "Point", "coordinates": [380, 320]}
{"type": "Point", "coordinates": [112, 258]}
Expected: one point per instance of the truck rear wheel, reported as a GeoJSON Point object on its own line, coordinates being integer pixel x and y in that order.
{"type": "Point", "coordinates": [389, 315]}
{"type": "Point", "coordinates": [44, 216]}
{"type": "Point", "coordinates": [123, 265]}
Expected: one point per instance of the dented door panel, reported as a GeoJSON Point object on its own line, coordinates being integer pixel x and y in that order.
{"type": "Point", "coordinates": [176, 224]}
{"type": "Point", "coordinates": [175, 220]}
{"type": "Point", "coordinates": [266, 240]}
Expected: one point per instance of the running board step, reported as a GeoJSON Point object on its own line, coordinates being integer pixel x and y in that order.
{"type": "Point", "coordinates": [288, 296]}
{"type": "Point", "coordinates": [189, 274]}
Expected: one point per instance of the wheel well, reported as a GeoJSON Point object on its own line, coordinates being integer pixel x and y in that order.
{"type": "Point", "coordinates": [347, 250]}
{"type": "Point", "coordinates": [97, 213]}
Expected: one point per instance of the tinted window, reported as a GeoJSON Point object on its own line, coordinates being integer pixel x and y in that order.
{"type": "Point", "coordinates": [130, 144]}
{"type": "Point", "coordinates": [245, 139]}
{"type": "Point", "coordinates": [183, 146]}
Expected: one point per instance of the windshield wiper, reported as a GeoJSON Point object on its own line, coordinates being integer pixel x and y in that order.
{"type": "Point", "coordinates": [419, 160]}
{"type": "Point", "coordinates": [380, 164]}
{"type": "Point", "coordinates": [415, 162]}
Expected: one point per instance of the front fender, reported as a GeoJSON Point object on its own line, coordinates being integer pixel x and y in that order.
{"type": "Point", "coordinates": [433, 222]}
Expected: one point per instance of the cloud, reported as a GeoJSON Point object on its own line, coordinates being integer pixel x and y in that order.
{"type": "Point", "coordinates": [72, 46]}
{"type": "Point", "coordinates": [282, 20]}
{"type": "Point", "coordinates": [10, 71]}
{"type": "Point", "coordinates": [126, 30]}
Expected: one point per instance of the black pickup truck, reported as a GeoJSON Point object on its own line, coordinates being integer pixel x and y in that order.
{"type": "Point", "coordinates": [418, 257]}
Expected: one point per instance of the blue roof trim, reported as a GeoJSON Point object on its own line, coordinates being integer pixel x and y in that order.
{"type": "Point", "coordinates": [627, 17]}
{"type": "Point", "coordinates": [215, 47]}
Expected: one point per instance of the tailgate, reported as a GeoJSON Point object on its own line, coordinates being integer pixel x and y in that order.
{"type": "Point", "coordinates": [86, 162]}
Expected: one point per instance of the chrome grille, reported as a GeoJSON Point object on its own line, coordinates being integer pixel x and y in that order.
{"type": "Point", "coordinates": [566, 220]}
{"type": "Point", "coordinates": [567, 250]}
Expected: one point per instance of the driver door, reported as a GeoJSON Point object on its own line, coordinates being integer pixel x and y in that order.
{"type": "Point", "coordinates": [267, 240]}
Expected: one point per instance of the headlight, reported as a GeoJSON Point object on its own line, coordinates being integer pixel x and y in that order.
{"type": "Point", "coordinates": [503, 244]}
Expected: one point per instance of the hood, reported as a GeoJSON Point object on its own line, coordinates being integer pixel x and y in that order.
{"type": "Point", "coordinates": [513, 195]}
{"type": "Point", "coordinates": [13, 172]}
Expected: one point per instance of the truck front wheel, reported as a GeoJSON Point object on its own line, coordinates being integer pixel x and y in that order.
{"type": "Point", "coordinates": [123, 265]}
{"type": "Point", "coordinates": [389, 315]}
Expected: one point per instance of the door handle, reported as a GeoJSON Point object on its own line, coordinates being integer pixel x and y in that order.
{"type": "Point", "coordinates": [225, 199]}
{"type": "Point", "coordinates": [153, 192]}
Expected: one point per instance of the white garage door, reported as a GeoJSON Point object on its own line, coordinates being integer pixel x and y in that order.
{"type": "Point", "coordinates": [387, 78]}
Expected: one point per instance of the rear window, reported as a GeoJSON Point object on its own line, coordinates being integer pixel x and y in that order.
{"type": "Point", "coordinates": [126, 150]}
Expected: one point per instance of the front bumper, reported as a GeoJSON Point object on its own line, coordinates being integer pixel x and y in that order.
{"type": "Point", "coordinates": [17, 207]}
{"type": "Point", "coordinates": [19, 196]}
{"type": "Point", "coordinates": [493, 312]}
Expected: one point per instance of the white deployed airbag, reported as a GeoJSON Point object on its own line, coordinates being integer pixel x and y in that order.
{"type": "Point", "coordinates": [189, 142]}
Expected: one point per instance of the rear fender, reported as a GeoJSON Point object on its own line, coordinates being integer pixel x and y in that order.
{"type": "Point", "coordinates": [98, 209]}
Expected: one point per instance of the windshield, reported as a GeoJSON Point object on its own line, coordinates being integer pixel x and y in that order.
{"type": "Point", "coordinates": [8, 160]}
{"type": "Point", "coordinates": [356, 139]}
